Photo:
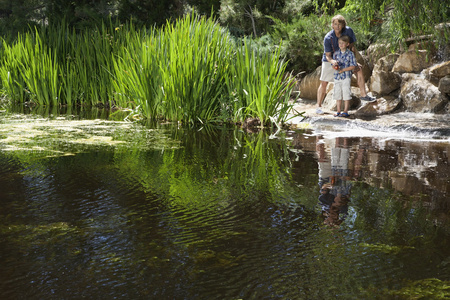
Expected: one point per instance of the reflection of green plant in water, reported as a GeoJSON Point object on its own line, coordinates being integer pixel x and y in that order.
{"type": "Point", "coordinates": [429, 288]}
{"type": "Point", "coordinates": [211, 259]}
{"type": "Point", "coordinates": [259, 163]}
{"type": "Point", "coordinates": [389, 214]}
{"type": "Point", "coordinates": [210, 175]}
{"type": "Point", "coordinates": [388, 249]}
{"type": "Point", "coordinates": [195, 176]}
{"type": "Point", "coordinates": [26, 236]}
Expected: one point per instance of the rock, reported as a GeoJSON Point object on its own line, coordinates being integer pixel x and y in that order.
{"type": "Point", "coordinates": [383, 81]}
{"type": "Point", "coordinates": [375, 52]}
{"type": "Point", "coordinates": [382, 106]}
{"type": "Point", "coordinates": [444, 85]}
{"type": "Point", "coordinates": [330, 104]}
{"type": "Point", "coordinates": [440, 70]}
{"type": "Point", "coordinates": [436, 72]}
{"type": "Point", "coordinates": [420, 95]}
{"type": "Point", "coordinates": [386, 63]}
{"type": "Point", "coordinates": [412, 61]}
{"type": "Point", "coordinates": [427, 43]}
{"type": "Point", "coordinates": [309, 84]}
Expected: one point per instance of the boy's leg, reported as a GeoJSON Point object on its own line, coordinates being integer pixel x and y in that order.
{"type": "Point", "coordinates": [346, 105]}
{"type": "Point", "coordinates": [338, 95]}
{"type": "Point", "coordinates": [338, 104]}
{"type": "Point", "coordinates": [346, 93]}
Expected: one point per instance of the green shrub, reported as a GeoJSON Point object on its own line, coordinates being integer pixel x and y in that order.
{"type": "Point", "coordinates": [301, 41]}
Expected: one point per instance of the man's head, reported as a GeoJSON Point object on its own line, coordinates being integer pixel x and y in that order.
{"type": "Point", "coordinates": [338, 23]}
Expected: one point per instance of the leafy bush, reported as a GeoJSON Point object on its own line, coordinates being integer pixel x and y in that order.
{"type": "Point", "coordinates": [301, 41]}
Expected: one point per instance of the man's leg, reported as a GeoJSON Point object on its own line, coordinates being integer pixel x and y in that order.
{"type": "Point", "coordinates": [321, 92]}
{"type": "Point", "coordinates": [361, 83]}
{"type": "Point", "coordinates": [362, 87]}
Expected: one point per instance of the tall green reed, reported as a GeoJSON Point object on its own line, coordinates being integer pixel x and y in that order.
{"type": "Point", "coordinates": [137, 76]}
{"type": "Point", "coordinates": [196, 54]}
{"type": "Point", "coordinates": [259, 85]}
{"type": "Point", "coordinates": [13, 84]}
{"type": "Point", "coordinates": [178, 72]}
{"type": "Point", "coordinates": [189, 71]}
{"type": "Point", "coordinates": [30, 71]}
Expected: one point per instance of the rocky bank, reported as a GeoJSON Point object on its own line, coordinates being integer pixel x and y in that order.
{"type": "Point", "coordinates": [416, 80]}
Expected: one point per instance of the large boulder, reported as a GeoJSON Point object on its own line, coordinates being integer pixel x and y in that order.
{"type": "Point", "coordinates": [382, 106]}
{"type": "Point", "coordinates": [376, 51]}
{"type": "Point", "coordinates": [309, 84]}
{"type": "Point", "coordinates": [444, 85]}
{"type": "Point", "coordinates": [420, 95]}
{"type": "Point", "coordinates": [413, 61]}
{"type": "Point", "coordinates": [436, 72]}
{"type": "Point", "coordinates": [383, 80]}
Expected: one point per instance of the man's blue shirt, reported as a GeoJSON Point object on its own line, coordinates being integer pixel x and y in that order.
{"type": "Point", "coordinates": [330, 41]}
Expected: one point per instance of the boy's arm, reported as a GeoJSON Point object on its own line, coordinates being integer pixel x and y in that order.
{"type": "Point", "coordinates": [352, 62]}
{"type": "Point", "coordinates": [347, 69]}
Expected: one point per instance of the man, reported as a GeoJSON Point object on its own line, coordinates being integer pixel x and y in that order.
{"type": "Point", "coordinates": [330, 44]}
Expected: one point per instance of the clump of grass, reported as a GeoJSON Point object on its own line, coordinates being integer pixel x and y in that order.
{"type": "Point", "coordinates": [189, 71]}
{"type": "Point", "coordinates": [259, 84]}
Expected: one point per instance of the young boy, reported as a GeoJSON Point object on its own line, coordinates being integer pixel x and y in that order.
{"type": "Point", "coordinates": [345, 63]}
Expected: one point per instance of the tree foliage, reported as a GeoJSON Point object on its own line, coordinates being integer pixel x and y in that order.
{"type": "Point", "coordinates": [298, 24]}
{"type": "Point", "coordinates": [403, 19]}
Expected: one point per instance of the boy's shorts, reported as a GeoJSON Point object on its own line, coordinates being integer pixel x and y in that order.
{"type": "Point", "coordinates": [342, 90]}
{"type": "Point", "coordinates": [327, 73]}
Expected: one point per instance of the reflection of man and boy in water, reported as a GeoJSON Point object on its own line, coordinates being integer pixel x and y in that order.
{"type": "Point", "coordinates": [335, 178]}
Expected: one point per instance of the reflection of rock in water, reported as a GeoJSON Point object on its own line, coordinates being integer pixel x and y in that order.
{"type": "Point", "coordinates": [415, 165]}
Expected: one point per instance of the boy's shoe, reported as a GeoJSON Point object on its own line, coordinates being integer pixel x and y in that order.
{"type": "Point", "coordinates": [338, 114]}
{"type": "Point", "coordinates": [344, 115]}
{"type": "Point", "coordinates": [368, 98]}
{"type": "Point", "coordinates": [319, 111]}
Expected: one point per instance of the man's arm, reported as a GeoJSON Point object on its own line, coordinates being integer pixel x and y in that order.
{"type": "Point", "coordinates": [330, 58]}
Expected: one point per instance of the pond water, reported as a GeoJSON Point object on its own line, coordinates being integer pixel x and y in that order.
{"type": "Point", "coordinates": [96, 208]}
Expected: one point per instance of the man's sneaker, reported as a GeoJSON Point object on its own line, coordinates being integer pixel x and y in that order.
{"type": "Point", "coordinates": [368, 98]}
{"type": "Point", "coordinates": [319, 111]}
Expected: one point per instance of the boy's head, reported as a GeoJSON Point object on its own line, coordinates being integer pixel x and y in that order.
{"type": "Point", "coordinates": [345, 38]}
{"type": "Point", "coordinates": [343, 42]}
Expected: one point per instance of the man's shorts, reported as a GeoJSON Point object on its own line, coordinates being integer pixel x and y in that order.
{"type": "Point", "coordinates": [342, 89]}
{"type": "Point", "coordinates": [327, 73]}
